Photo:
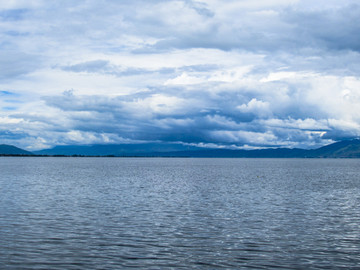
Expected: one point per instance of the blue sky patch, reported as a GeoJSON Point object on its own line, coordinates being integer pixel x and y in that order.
{"type": "Point", "coordinates": [6, 93]}
{"type": "Point", "coordinates": [12, 14]}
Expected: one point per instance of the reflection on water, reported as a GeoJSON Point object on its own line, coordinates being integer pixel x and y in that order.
{"type": "Point", "coordinates": [111, 213]}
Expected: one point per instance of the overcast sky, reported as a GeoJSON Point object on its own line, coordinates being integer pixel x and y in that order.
{"type": "Point", "coordinates": [235, 73]}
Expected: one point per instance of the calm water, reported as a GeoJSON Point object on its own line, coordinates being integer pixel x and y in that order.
{"type": "Point", "coordinates": [119, 213]}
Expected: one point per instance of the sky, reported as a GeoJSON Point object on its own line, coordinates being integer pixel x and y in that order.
{"type": "Point", "coordinates": [239, 74]}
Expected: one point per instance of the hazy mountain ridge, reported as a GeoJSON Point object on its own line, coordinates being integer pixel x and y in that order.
{"type": "Point", "coordinates": [12, 150]}
{"type": "Point", "coordinates": [143, 149]}
{"type": "Point", "coordinates": [342, 149]}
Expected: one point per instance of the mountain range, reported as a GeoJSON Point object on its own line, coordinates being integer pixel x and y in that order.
{"type": "Point", "coordinates": [342, 149]}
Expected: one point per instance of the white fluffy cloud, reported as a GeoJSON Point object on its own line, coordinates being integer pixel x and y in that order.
{"type": "Point", "coordinates": [212, 73]}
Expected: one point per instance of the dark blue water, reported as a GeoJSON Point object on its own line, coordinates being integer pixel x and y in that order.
{"type": "Point", "coordinates": [119, 213]}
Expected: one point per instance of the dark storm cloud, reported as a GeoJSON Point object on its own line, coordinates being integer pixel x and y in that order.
{"type": "Point", "coordinates": [9, 135]}
{"type": "Point", "coordinates": [339, 135]}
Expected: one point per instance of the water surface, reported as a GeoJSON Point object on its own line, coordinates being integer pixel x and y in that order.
{"type": "Point", "coordinates": [164, 213]}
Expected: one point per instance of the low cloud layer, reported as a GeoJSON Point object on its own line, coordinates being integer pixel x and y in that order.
{"type": "Point", "coordinates": [240, 74]}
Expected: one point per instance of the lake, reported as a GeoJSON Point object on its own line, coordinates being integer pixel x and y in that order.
{"type": "Point", "coordinates": [179, 213]}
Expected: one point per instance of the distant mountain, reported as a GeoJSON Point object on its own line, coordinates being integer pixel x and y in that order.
{"type": "Point", "coordinates": [142, 149]}
{"type": "Point", "coordinates": [12, 150]}
{"type": "Point", "coordinates": [343, 149]}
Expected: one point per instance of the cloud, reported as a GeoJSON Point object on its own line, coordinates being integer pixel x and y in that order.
{"type": "Point", "coordinates": [14, 64]}
{"type": "Point", "coordinates": [212, 73]}
{"type": "Point", "coordinates": [332, 28]}
{"type": "Point", "coordinates": [105, 67]}
{"type": "Point", "coordinates": [257, 107]}
{"type": "Point", "coordinates": [266, 27]}
{"type": "Point", "coordinates": [291, 117]}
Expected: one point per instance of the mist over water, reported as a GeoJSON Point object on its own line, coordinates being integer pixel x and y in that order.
{"type": "Point", "coordinates": [159, 213]}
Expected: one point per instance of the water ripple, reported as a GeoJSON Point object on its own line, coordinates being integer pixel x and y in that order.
{"type": "Point", "coordinates": [91, 213]}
